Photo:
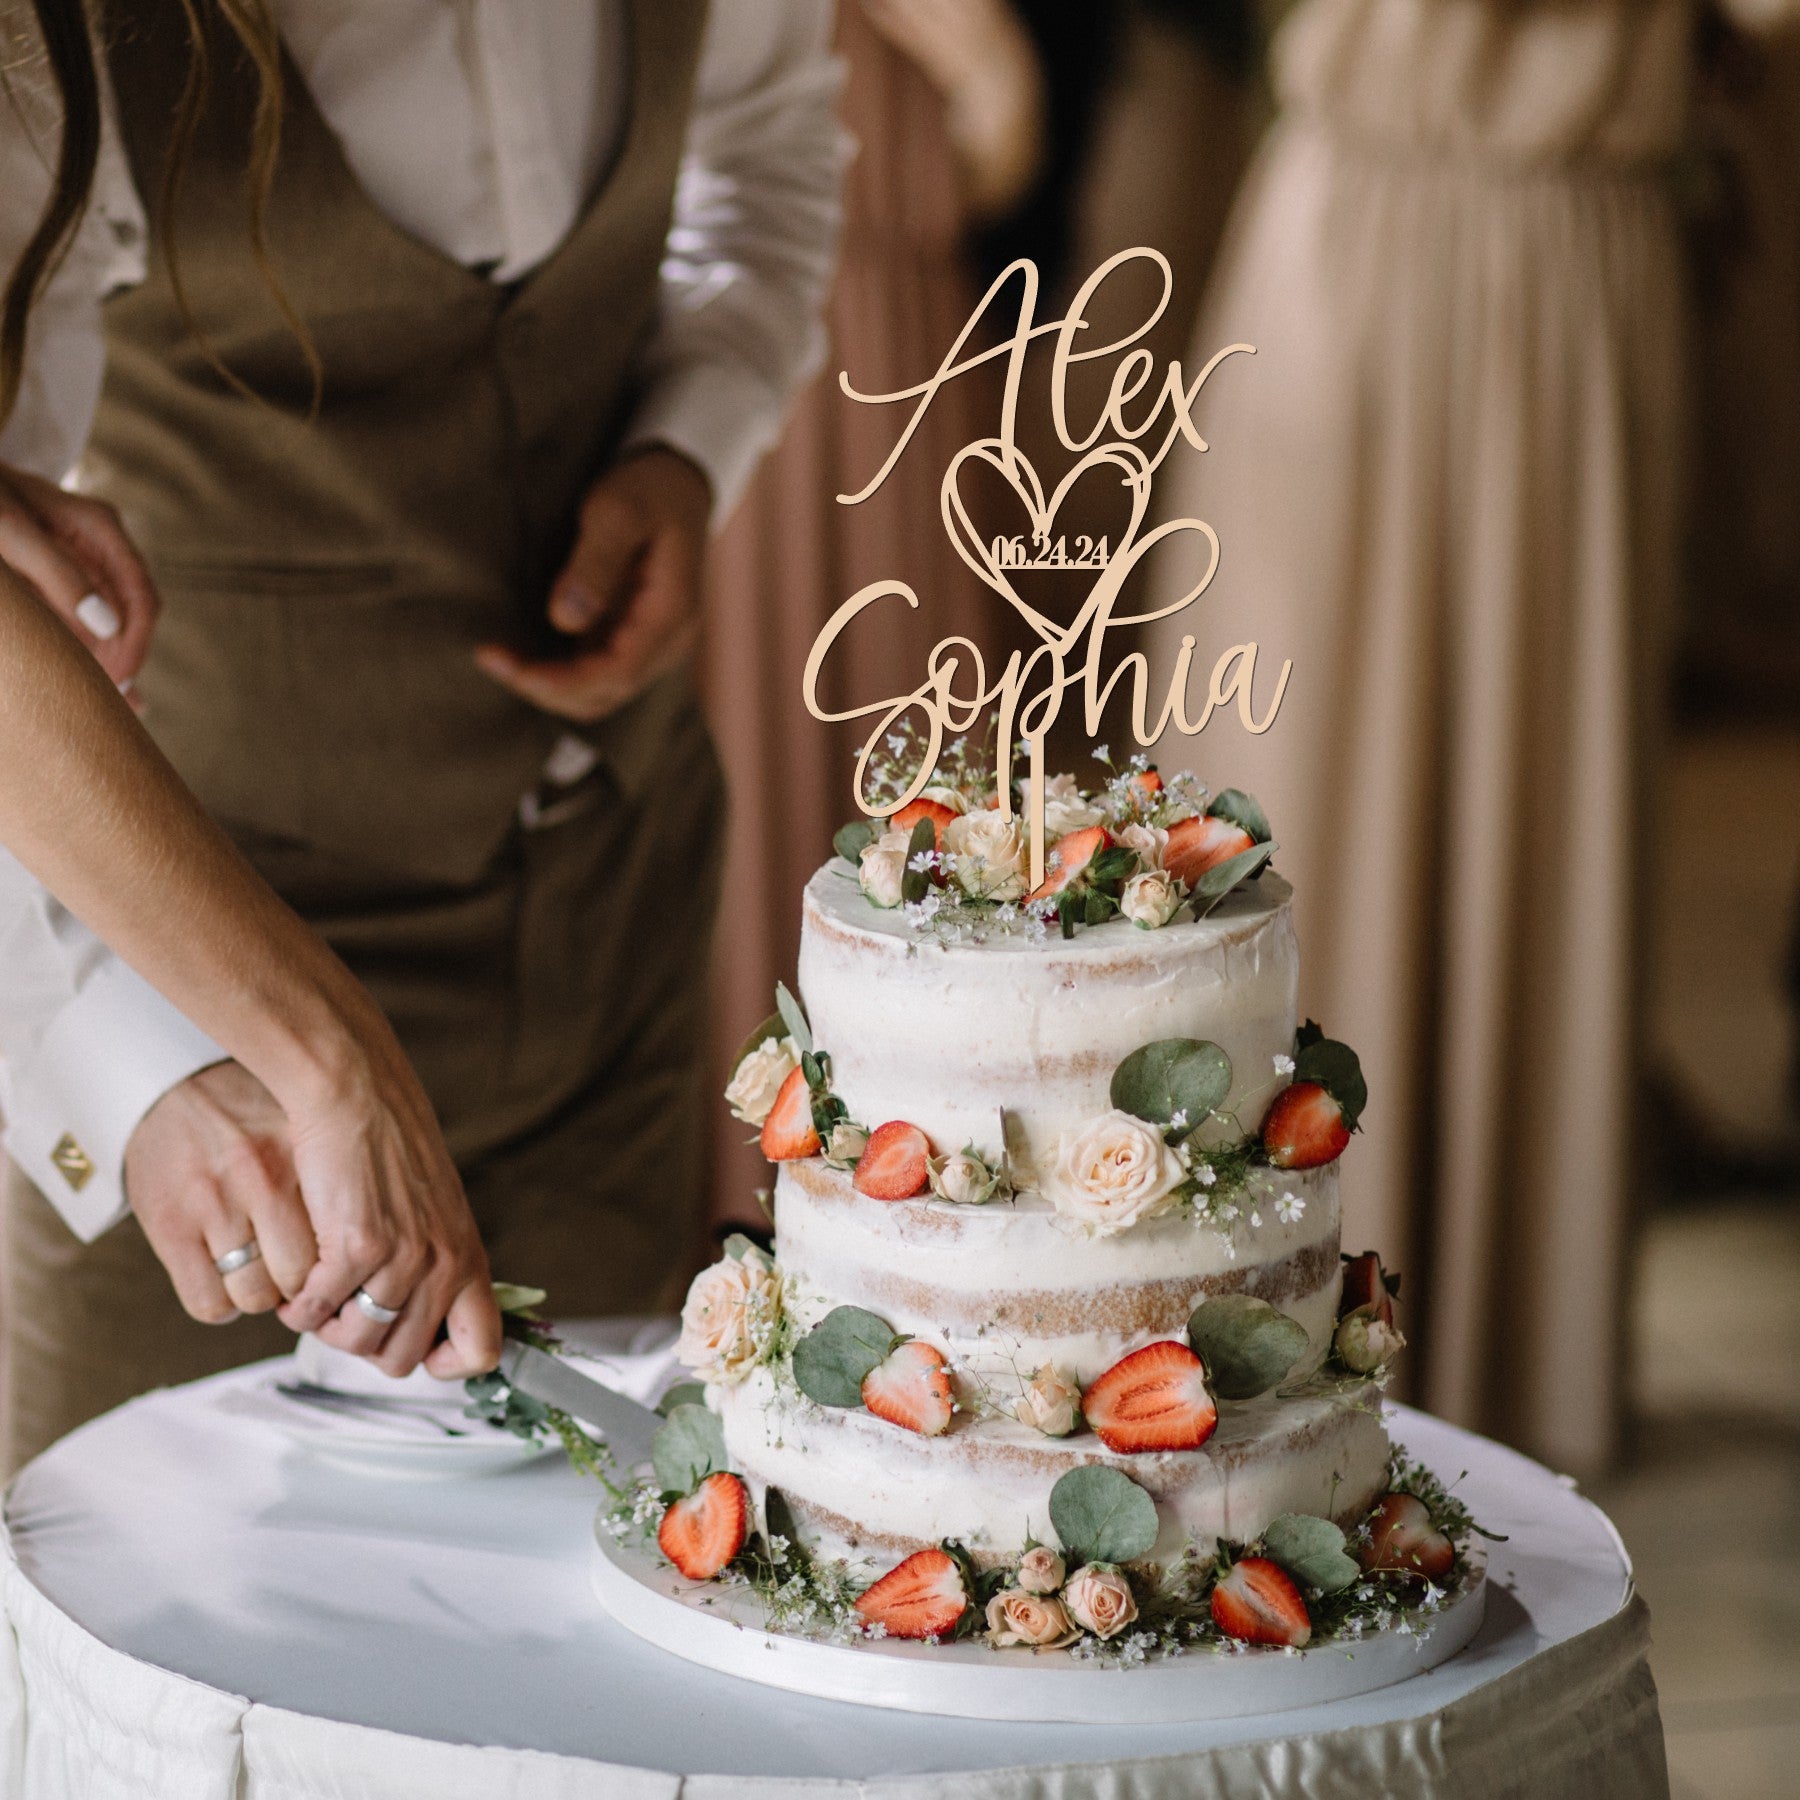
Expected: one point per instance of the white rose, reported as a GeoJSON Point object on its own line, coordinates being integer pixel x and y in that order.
{"type": "Point", "coordinates": [1099, 1599]}
{"type": "Point", "coordinates": [727, 1315]}
{"type": "Point", "coordinates": [1051, 1403]}
{"type": "Point", "coordinates": [1150, 842]}
{"type": "Point", "coordinates": [1041, 1570]}
{"type": "Point", "coordinates": [1112, 1173]}
{"type": "Point", "coordinates": [1016, 1617]}
{"type": "Point", "coordinates": [963, 1178]}
{"type": "Point", "coordinates": [882, 868]}
{"type": "Point", "coordinates": [757, 1079]}
{"type": "Point", "coordinates": [1063, 816]}
{"type": "Point", "coordinates": [846, 1143]}
{"type": "Point", "coordinates": [989, 854]}
{"type": "Point", "coordinates": [1151, 899]}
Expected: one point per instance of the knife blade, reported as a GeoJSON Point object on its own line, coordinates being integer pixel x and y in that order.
{"type": "Point", "coordinates": [625, 1424]}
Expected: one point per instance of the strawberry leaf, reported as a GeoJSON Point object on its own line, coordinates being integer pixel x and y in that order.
{"type": "Point", "coordinates": [688, 1448]}
{"type": "Point", "coordinates": [832, 1361]}
{"type": "Point", "coordinates": [1242, 810]}
{"type": "Point", "coordinates": [1248, 1345]}
{"type": "Point", "coordinates": [1174, 1075]}
{"type": "Point", "coordinates": [853, 839]}
{"type": "Point", "coordinates": [1221, 878]}
{"type": "Point", "coordinates": [1336, 1068]}
{"type": "Point", "coordinates": [794, 1019]}
{"type": "Point", "coordinates": [1312, 1551]}
{"type": "Point", "coordinates": [1102, 1515]}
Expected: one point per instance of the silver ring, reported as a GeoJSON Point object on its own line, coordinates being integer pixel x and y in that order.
{"type": "Point", "coordinates": [240, 1258]}
{"type": "Point", "coordinates": [372, 1309]}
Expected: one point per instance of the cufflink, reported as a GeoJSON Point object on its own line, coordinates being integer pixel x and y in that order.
{"type": "Point", "coordinates": [72, 1162]}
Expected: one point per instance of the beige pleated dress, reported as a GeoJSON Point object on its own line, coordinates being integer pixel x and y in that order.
{"type": "Point", "coordinates": [1446, 487]}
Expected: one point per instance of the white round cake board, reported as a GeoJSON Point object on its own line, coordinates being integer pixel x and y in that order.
{"type": "Point", "coordinates": [719, 1628]}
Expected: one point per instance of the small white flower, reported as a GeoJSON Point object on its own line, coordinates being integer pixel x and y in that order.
{"type": "Point", "coordinates": [1102, 753]}
{"type": "Point", "coordinates": [1289, 1208]}
{"type": "Point", "coordinates": [1206, 1175]}
{"type": "Point", "coordinates": [1284, 1065]}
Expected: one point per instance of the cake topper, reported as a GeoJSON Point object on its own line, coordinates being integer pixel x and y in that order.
{"type": "Point", "coordinates": [1026, 695]}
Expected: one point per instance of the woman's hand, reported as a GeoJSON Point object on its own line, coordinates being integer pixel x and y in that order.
{"type": "Point", "coordinates": [75, 553]}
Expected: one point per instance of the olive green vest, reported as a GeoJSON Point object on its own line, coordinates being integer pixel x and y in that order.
{"type": "Point", "coordinates": [326, 579]}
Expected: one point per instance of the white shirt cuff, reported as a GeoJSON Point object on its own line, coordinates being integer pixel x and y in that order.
{"type": "Point", "coordinates": [719, 415]}
{"type": "Point", "coordinates": [104, 1061]}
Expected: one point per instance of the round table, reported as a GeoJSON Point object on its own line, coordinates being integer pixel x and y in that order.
{"type": "Point", "coordinates": [200, 1611]}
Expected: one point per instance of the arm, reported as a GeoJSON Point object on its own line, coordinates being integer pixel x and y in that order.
{"type": "Point", "coordinates": [90, 807]}
{"type": "Point", "coordinates": [751, 250]}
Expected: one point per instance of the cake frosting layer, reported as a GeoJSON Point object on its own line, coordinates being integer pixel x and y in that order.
{"type": "Point", "coordinates": [870, 1492]}
{"type": "Point", "coordinates": [1010, 1286]}
{"type": "Point", "coordinates": [947, 1035]}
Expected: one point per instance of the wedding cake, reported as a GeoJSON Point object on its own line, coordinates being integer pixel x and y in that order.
{"type": "Point", "coordinates": [1056, 1342]}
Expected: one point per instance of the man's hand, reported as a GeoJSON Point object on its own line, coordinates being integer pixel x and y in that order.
{"type": "Point", "coordinates": [629, 594]}
{"type": "Point", "coordinates": [208, 1169]}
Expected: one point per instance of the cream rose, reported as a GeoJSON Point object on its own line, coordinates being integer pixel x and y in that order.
{"type": "Point", "coordinates": [1112, 1173]}
{"type": "Point", "coordinates": [757, 1079]}
{"type": "Point", "coordinates": [1366, 1342]}
{"type": "Point", "coordinates": [1064, 808]}
{"type": "Point", "coordinates": [1041, 1570]}
{"type": "Point", "coordinates": [963, 1178]}
{"type": "Point", "coordinates": [1099, 1599]}
{"type": "Point", "coordinates": [727, 1316]}
{"type": "Point", "coordinates": [1037, 1620]}
{"type": "Point", "coordinates": [1150, 842]}
{"type": "Point", "coordinates": [1151, 899]}
{"type": "Point", "coordinates": [846, 1143]}
{"type": "Point", "coordinates": [1050, 1403]}
{"type": "Point", "coordinates": [882, 868]}
{"type": "Point", "coordinates": [988, 854]}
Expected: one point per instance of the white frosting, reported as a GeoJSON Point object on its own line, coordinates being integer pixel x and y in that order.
{"type": "Point", "coordinates": [870, 1491]}
{"type": "Point", "coordinates": [1005, 1288]}
{"type": "Point", "coordinates": [945, 1036]}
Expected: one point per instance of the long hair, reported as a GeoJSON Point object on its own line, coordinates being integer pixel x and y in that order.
{"type": "Point", "coordinates": [69, 50]}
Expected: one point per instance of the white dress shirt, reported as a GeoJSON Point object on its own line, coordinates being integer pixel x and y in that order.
{"type": "Point", "coordinates": [480, 126]}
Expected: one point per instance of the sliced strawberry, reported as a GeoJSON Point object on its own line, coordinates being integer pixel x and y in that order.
{"type": "Point", "coordinates": [912, 1388]}
{"type": "Point", "coordinates": [788, 1131]}
{"type": "Point", "coordinates": [895, 1163]}
{"type": "Point", "coordinates": [923, 1597]}
{"type": "Point", "coordinates": [702, 1533]}
{"type": "Point", "coordinates": [1305, 1127]}
{"type": "Point", "coordinates": [1198, 844]}
{"type": "Point", "coordinates": [936, 811]}
{"type": "Point", "coordinates": [1402, 1537]}
{"type": "Point", "coordinates": [1147, 783]}
{"type": "Point", "coordinates": [1153, 1399]}
{"type": "Point", "coordinates": [1068, 857]}
{"type": "Point", "coordinates": [1365, 1284]}
{"type": "Point", "coordinates": [1256, 1602]}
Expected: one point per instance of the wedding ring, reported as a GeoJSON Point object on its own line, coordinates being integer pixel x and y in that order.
{"type": "Point", "coordinates": [240, 1258]}
{"type": "Point", "coordinates": [372, 1309]}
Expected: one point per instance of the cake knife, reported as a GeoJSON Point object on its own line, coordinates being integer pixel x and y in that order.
{"type": "Point", "coordinates": [626, 1425]}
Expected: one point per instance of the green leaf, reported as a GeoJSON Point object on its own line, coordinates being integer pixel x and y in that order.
{"type": "Point", "coordinates": [510, 1297]}
{"type": "Point", "coordinates": [831, 1361]}
{"type": "Point", "coordinates": [689, 1447]}
{"type": "Point", "coordinates": [1221, 878]}
{"type": "Point", "coordinates": [1337, 1069]}
{"type": "Point", "coordinates": [1248, 1345]}
{"type": "Point", "coordinates": [1242, 810]}
{"type": "Point", "coordinates": [914, 883]}
{"type": "Point", "coordinates": [1173, 1075]}
{"type": "Point", "coordinates": [1111, 867]}
{"type": "Point", "coordinates": [853, 839]}
{"type": "Point", "coordinates": [1098, 908]}
{"type": "Point", "coordinates": [1312, 1551]}
{"type": "Point", "coordinates": [1102, 1515]}
{"type": "Point", "coordinates": [683, 1393]}
{"type": "Point", "coordinates": [774, 1026]}
{"type": "Point", "coordinates": [794, 1019]}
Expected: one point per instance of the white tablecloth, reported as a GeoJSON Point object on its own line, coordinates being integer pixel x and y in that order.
{"type": "Point", "coordinates": [200, 1612]}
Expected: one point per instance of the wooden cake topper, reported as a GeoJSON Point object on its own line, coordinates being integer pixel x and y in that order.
{"type": "Point", "coordinates": [1027, 694]}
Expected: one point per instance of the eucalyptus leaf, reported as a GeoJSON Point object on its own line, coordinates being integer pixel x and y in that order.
{"type": "Point", "coordinates": [683, 1393]}
{"type": "Point", "coordinates": [915, 882]}
{"type": "Point", "coordinates": [688, 1448]}
{"type": "Point", "coordinates": [1337, 1069]}
{"type": "Point", "coordinates": [1242, 810]}
{"type": "Point", "coordinates": [831, 1361]}
{"type": "Point", "coordinates": [1221, 878]}
{"type": "Point", "coordinates": [510, 1297]}
{"type": "Point", "coordinates": [1248, 1345]}
{"type": "Point", "coordinates": [794, 1019]}
{"type": "Point", "coordinates": [1102, 1515]}
{"type": "Point", "coordinates": [774, 1026]}
{"type": "Point", "coordinates": [1312, 1551]}
{"type": "Point", "coordinates": [853, 839]}
{"type": "Point", "coordinates": [1173, 1075]}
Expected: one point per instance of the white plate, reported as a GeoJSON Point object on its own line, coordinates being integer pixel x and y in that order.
{"type": "Point", "coordinates": [720, 1628]}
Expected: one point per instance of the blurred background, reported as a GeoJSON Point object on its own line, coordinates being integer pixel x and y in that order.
{"type": "Point", "coordinates": [1514, 478]}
